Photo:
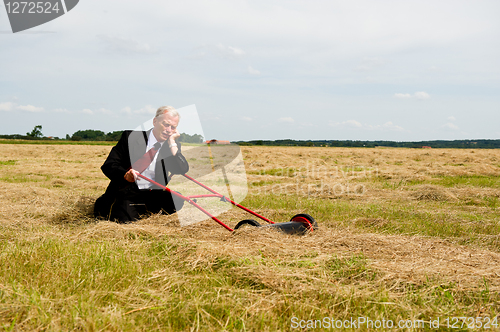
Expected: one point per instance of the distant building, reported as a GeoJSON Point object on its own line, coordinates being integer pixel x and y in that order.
{"type": "Point", "coordinates": [216, 141]}
{"type": "Point", "coordinates": [426, 147]}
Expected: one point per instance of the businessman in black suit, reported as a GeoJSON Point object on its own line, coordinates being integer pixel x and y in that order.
{"type": "Point", "coordinates": [156, 155]}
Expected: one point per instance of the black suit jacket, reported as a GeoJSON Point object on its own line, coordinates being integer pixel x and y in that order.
{"type": "Point", "coordinates": [132, 146]}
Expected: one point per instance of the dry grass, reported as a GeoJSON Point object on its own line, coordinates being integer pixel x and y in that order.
{"type": "Point", "coordinates": [412, 234]}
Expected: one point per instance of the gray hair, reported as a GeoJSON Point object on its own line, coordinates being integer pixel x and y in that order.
{"type": "Point", "coordinates": [167, 109]}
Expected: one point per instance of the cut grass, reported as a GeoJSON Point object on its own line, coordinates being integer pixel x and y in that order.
{"type": "Point", "coordinates": [409, 218]}
{"type": "Point", "coordinates": [149, 283]}
{"type": "Point", "coordinates": [62, 270]}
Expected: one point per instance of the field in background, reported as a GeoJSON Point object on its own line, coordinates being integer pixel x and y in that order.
{"type": "Point", "coordinates": [405, 234]}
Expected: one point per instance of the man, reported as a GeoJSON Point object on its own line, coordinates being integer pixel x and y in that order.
{"type": "Point", "coordinates": [156, 155]}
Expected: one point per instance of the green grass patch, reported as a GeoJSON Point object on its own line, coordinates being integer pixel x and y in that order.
{"type": "Point", "coordinates": [492, 202]}
{"type": "Point", "coordinates": [262, 183]}
{"type": "Point", "coordinates": [352, 169]}
{"type": "Point", "coordinates": [424, 218]}
{"type": "Point", "coordinates": [30, 177]}
{"type": "Point", "coordinates": [284, 172]}
{"type": "Point", "coordinates": [71, 161]}
{"type": "Point", "coordinates": [401, 183]}
{"type": "Point", "coordinates": [351, 268]}
{"type": "Point", "coordinates": [394, 183]}
{"type": "Point", "coordinates": [55, 142]}
{"type": "Point", "coordinates": [7, 162]}
{"type": "Point", "coordinates": [483, 181]}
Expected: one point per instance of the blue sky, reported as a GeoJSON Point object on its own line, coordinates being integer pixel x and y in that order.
{"type": "Point", "coordinates": [360, 70]}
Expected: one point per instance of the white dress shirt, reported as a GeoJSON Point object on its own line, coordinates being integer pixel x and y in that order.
{"type": "Point", "coordinates": [149, 172]}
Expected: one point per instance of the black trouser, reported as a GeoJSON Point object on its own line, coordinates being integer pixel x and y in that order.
{"type": "Point", "coordinates": [130, 204]}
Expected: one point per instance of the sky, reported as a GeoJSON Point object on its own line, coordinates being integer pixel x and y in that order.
{"type": "Point", "coordinates": [256, 70]}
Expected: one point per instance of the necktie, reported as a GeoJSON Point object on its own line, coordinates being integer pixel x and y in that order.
{"type": "Point", "coordinates": [143, 162]}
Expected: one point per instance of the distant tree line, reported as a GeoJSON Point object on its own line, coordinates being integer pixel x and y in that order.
{"type": "Point", "coordinates": [94, 135]}
{"type": "Point", "coordinates": [456, 144]}
{"type": "Point", "coordinates": [186, 138]}
{"type": "Point", "coordinates": [91, 135]}
{"type": "Point", "coordinates": [97, 135]}
{"type": "Point", "coordinates": [36, 133]}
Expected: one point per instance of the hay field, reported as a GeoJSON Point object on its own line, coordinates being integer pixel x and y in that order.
{"type": "Point", "coordinates": [405, 235]}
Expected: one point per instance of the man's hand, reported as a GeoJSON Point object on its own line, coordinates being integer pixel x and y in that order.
{"type": "Point", "coordinates": [175, 135]}
{"type": "Point", "coordinates": [131, 175]}
{"type": "Point", "coordinates": [171, 142]}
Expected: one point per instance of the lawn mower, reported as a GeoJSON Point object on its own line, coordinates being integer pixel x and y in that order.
{"type": "Point", "coordinates": [298, 224]}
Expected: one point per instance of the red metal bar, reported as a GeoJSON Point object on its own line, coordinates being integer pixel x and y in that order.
{"type": "Point", "coordinates": [186, 199]}
{"type": "Point", "coordinates": [251, 212]}
{"type": "Point", "coordinates": [235, 204]}
{"type": "Point", "coordinates": [304, 221]}
{"type": "Point", "coordinates": [211, 216]}
{"type": "Point", "coordinates": [204, 196]}
{"type": "Point", "coordinates": [200, 184]}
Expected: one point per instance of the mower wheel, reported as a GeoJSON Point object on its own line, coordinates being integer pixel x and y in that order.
{"type": "Point", "coordinates": [250, 222]}
{"type": "Point", "coordinates": [301, 216]}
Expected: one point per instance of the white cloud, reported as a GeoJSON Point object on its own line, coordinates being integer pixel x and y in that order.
{"type": "Point", "coordinates": [126, 45]}
{"type": "Point", "coordinates": [126, 110]}
{"type": "Point", "coordinates": [286, 120]}
{"type": "Point", "coordinates": [348, 123]}
{"type": "Point", "coordinates": [218, 50]}
{"type": "Point", "coordinates": [451, 126]}
{"type": "Point", "coordinates": [247, 119]}
{"type": "Point", "coordinates": [391, 126]}
{"type": "Point", "coordinates": [104, 111]}
{"type": "Point", "coordinates": [253, 71]}
{"type": "Point", "coordinates": [352, 123]}
{"type": "Point", "coordinates": [235, 51]}
{"type": "Point", "coordinates": [388, 126]}
{"type": "Point", "coordinates": [230, 51]}
{"type": "Point", "coordinates": [29, 108]}
{"type": "Point", "coordinates": [148, 109]}
{"type": "Point", "coordinates": [420, 95]}
{"type": "Point", "coordinates": [452, 118]}
{"type": "Point", "coordinates": [89, 111]}
{"type": "Point", "coordinates": [8, 106]}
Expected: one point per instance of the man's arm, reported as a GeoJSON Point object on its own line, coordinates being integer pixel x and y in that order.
{"type": "Point", "coordinates": [177, 164]}
{"type": "Point", "coordinates": [118, 162]}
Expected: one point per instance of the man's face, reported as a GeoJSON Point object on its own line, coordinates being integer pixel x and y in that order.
{"type": "Point", "coordinates": [164, 126]}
